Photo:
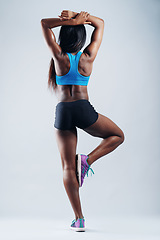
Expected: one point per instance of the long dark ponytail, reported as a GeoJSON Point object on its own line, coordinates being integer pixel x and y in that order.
{"type": "Point", "coordinates": [52, 76]}
{"type": "Point", "coordinates": [71, 39]}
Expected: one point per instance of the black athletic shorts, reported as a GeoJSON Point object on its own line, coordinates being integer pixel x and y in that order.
{"type": "Point", "coordinates": [79, 113]}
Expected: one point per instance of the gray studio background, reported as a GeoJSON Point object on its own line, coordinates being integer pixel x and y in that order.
{"type": "Point", "coordinates": [124, 86]}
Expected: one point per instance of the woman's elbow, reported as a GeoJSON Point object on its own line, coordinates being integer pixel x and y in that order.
{"type": "Point", "coordinates": [102, 20]}
{"type": "Point", "coordinates": [42, 21]}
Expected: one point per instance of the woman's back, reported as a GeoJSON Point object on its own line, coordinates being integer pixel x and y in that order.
{"type": "Point", "coordinates": [72, 38]}
{"type": "Point", "coordinates": [77, 90]}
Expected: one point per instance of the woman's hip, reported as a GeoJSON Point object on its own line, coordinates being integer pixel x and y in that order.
{"type": "Point", "coordinates": [80, 113]}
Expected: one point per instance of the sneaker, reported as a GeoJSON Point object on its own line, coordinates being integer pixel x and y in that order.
{"type": "Point", "coordinates": [82, 167]}
{"type": "Point", "coordinates": [78, 225]}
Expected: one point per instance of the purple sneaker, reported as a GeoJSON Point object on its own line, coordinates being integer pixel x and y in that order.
{"type": "Point", "coordinates": [82, 167]}
{"type": "Point", "coordinates": [78, 225]}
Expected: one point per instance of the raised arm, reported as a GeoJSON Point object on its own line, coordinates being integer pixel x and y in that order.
{"type": "Point", "coordinates": [96, 37]}
{"type": "Point", "coordinates": [56, 22]}
{"type": "Point", "coordinates": [48, 23]}
{"type": "Point", "coordinates": [72, 18]}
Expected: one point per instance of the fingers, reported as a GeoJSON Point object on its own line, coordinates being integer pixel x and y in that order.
{"type": "Point", "coordinates": [65, 15]}
{"type": "Point", "coordinates": [87, 23]}
{"type": "Point", "coordinates": [63, 18]}
{"type": "Point", "coordinates": [84, 14]}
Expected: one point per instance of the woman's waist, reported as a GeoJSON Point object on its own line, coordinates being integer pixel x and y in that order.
{"type": "Point", "coordinates": [72, 94]}
{"type": "Point", "coordinates": [71, 98]}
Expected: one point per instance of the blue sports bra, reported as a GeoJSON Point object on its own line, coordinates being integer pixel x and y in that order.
{"type": "Point", "coordinates": [73, 77]}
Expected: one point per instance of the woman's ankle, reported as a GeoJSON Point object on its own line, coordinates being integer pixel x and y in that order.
{"type": "Point", "coordinates": [89, 160]}
{"type": "Point", "coordinates": [79, 216]}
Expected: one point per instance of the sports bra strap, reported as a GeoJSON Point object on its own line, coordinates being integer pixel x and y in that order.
{"type": "Point", "coordinates": [73, 77]}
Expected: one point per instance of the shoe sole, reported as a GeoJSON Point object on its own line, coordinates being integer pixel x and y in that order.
{"type": "Point", "coordinates": [78, 229]}
{"type": "Point", "coordinates": [79, 169]}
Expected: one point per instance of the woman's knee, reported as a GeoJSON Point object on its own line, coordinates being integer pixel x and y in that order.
{"type": "Point", "coordinates": [118, 133]}
{"type": "Point", "coordinates": [68, 167]}
{"type": "Point", "coordinates": [69, 163]}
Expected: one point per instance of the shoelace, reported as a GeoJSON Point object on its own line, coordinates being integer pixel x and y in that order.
{"type": "Point", "coordinates": [89, 168]}
{"type": "Point", "coordinates": [76, 220]}
{"type": "Point", "coordinates": [73, 221]}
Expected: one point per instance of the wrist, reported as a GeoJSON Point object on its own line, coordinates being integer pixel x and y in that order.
{"type": "Point", "coordinates": [73, 21]}
{"type": "Point", "coordinates": [74, 14]}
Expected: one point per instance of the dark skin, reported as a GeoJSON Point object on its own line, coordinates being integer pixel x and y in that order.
{"type": "Point", "coordinates": [112, 136]}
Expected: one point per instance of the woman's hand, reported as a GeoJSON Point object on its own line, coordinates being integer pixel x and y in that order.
{"type": "Point", "coordinates": [66, 15]}
{"type": "Point", "coordinates": [82, 17]}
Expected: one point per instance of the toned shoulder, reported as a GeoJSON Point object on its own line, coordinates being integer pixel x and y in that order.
{"type": "Point", "coordinates": [86, 58]}
{"type": "Point", "coordinates": [85, 64]}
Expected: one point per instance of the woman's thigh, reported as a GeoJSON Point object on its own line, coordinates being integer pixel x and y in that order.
{"type": "Point", "coordinates": [67, 144]}
{"type": "Point", "coordinates": [104, 127]}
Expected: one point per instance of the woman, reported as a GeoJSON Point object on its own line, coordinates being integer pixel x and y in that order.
{"type": "Point", "coordinates": [69, 73]}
